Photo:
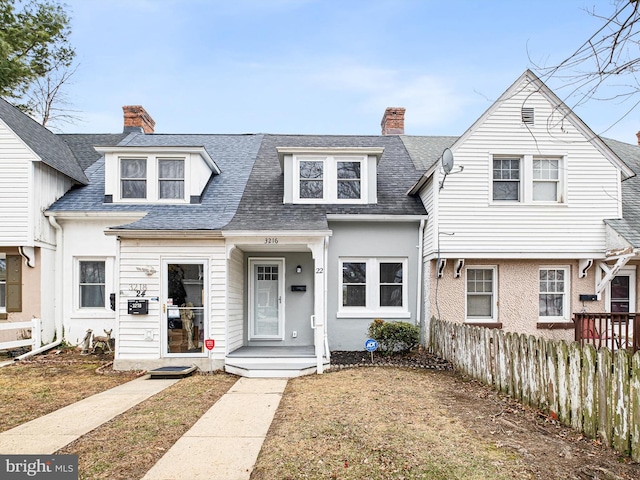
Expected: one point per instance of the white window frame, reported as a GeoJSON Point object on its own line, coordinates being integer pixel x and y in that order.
{"type": "Point", "coordinates": [330, 178]}
{"type": "Point", "coordinates": [108, 287]}
{"type": "Point", "coordinates": [372, 304]}
{"type": "Point", "coordinates": [527, 179]}
{"type": "Point", "coordinates": [566, 299]}
{"type": "Point", "coordinates": [519, 180]}
{"type": "Point", "coordinates": [494, 294]}
{"type": "Point", "coordinates": [183, 179]}
{"type": "Point", "coordinates": [153, 180]}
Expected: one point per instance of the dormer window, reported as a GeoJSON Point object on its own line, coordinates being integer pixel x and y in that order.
{"type": "Point", "coordinates": [133, 177]}
{"type": "Point", "coordinates": [332, 179]}
{"type": "Point", "coordinates": [171, 179]}
{"type": "Point", "coordinates": [330, 175]}
{"type": "Point", "coordinates": [156, 174]}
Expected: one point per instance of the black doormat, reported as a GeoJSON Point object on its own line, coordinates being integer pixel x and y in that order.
{"type": "Point", "coordinates": [172, 372]}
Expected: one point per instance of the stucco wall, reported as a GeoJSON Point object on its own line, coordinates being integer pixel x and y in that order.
{"type": "Point", "coordinates": [517, 290]}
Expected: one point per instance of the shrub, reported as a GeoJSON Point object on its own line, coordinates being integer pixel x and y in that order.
{"type": "Point", "coordinates": [394, 336]}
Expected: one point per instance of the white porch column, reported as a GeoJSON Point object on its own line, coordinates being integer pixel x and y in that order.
{"type": "Point", "coordinates": [319, 319]}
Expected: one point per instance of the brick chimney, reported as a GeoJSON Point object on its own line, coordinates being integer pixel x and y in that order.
{"type": "Point", "coordinates": [393, 121]}
{"type": "Point", "coordinates": [136, 119]}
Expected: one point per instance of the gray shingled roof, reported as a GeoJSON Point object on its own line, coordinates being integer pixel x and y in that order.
{"type": "Point", "coordinates": [425, 151]}
{"type": "Point", "coordinates": [261, 207]}
{"type": "Point", "coordinates": [81, 144]}
{"type": "Point", "coordinates": [51, 149]}
{"type": "Point", "coordinates": [234, 154]}
{"type": "Point", "coordinates": [629, 225]}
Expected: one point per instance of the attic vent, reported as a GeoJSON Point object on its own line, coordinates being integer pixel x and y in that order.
{"type": "Point", "coordinates": [527, 115]}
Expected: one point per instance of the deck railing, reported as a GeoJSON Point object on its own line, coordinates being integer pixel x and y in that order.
{"type": "Point", "coordinates": [611, 330]}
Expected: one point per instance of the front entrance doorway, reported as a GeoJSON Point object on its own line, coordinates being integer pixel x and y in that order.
{"type": "Point", "coordinates": [266, 299]}
{"type": "Point", "coordinates": [622, 291]}
{"type": "Point", "coordinates": [185, 313]}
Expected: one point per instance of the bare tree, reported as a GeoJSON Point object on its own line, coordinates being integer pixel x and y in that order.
{"type": "Point", "coordinates": [606, 65]}
{"type": "Point", "coordinates": [48, 102]}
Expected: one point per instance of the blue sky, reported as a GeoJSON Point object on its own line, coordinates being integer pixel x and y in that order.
{"type": "Point", "coordinates": [319, 66]}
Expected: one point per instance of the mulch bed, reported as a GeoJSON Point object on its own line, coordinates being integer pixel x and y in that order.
{"type": "Point", "coordinates": [416, 359]}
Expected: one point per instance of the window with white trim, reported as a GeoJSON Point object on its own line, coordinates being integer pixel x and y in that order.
{"type": "Point", "coordinates": [553, 304]}
{"type": "Point", "coordinates": [92, 282]}
{"type": "Point", "coordinates": [153, 179]}
{"type": "Point", "coordinates": [506, 179]}
{"type": "Point", "coordinates": [546, 178]}
{"type": "Point", "coordinates": [369, 285]}
{"type": "Point", "coordinates": [481, 293]}
{"type": "Point", "coordinates": [527, 179]}
{"type": "Point", "coordinates": [133, 178]}
{"type": "Point", "coordinates": [330, 179]}
{"type": "Point", "coordinates": [171, 179]}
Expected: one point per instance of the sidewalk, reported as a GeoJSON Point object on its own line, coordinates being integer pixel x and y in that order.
{"type": "Point", "coordinates": [49, 433]}
{"type": "Point", "coordinates": [224, 444]}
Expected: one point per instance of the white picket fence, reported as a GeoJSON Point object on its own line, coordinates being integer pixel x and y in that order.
{"type": "Point", "coordinates": [34, 341]}
{"type": "Point", "coordinates": [597, 392]}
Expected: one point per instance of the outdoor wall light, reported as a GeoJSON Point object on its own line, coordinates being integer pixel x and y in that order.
{"type": "Point", "coordinates": [298, 269]}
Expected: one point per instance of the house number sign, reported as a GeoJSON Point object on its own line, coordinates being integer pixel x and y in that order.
{"type": "Point", "coordinates": [271, 240]}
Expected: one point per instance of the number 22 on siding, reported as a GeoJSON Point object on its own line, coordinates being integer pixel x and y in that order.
{"type": "Point", "coordinates": [319, 271]}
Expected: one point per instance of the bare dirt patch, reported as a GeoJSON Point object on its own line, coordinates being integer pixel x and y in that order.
{"type": "Point", "coordinates": [423, 422]}
{"type": "Point", "coordinates": [37, 386]}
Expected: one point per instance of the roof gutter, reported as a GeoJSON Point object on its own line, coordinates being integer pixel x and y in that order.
{"type": "Point", "coordinates": [57, 306]}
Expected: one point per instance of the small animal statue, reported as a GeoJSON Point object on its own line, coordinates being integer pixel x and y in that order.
{"type": "Point", "coordinates": [86, 343]}
{"type": "Point", "coordinates": [103, 342]}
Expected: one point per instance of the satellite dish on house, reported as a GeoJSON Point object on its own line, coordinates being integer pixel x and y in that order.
{"type": "Point", "coordinates": [447, 161]}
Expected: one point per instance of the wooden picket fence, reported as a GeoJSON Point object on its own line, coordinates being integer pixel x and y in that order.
{"type": "Point", "coordinates": [596, 392]}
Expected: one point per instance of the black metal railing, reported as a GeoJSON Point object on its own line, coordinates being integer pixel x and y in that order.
{"type": "Point", "coordinates": [612, 330]}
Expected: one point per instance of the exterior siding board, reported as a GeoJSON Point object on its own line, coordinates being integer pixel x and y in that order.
{"type": "Point", "coordinates": [482, 226]}
{"type": "Point", "coordinates": [236, 295]}
{"type": "Point", "coordinates": [134, 253]}
{"type": "Point", "coordinates": [15, 179]}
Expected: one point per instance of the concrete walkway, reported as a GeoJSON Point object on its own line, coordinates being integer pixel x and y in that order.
{"type": "Point", "coordinates": [224, 444]}
{"type": "Point", "coordinates": [51, 432]}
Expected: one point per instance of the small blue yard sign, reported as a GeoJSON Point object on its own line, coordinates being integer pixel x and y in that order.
{"type": "Point", "coordinates": [371, 345]}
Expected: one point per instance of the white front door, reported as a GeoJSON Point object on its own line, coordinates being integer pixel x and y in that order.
{"type": "Point", "coordinates": [266, 299]}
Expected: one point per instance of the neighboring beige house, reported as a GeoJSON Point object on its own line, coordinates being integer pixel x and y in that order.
{"type": "Point", "coordinates": [516, 230]}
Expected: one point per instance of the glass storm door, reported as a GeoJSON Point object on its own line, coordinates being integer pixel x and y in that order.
{"type": "Point", "coordinates": [185, 314]}
{"type": "Point", "coordinates": [622, 292]}
{"type": "Point", "coordinates": [266, 299]}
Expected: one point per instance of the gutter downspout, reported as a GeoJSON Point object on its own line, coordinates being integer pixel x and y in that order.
{"type": "Point", "coordinates": [420, 291]}
{"type": "Point", "coordinates": [326, 290]}
{"type": "Point", "coordinates": [57, 310]}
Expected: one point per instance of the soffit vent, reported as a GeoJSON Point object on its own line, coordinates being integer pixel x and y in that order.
{"type": "Point", "coordinates": [527, 115]}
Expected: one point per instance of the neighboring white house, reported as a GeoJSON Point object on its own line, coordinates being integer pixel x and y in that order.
{"type": "Point", "coordinates": [517, 230]}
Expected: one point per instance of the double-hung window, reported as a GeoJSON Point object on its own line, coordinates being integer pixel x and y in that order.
{"type": "Point", "coordinates": [546, 179]}
{"type": "Point", "coordinates": [553, 304]}
{"type": "Point", "coordinates": [311, 179]}
{"type": "Point", "coordinates": [506, 179]}
{"type": "Point", "coordinates": [370, 285]}
{"type": "Point", "coordinates": [330, 179]}
{"type": "Point", "coordinates": [133, 178]}
{"type": "Point", "coordinates": [527, 179]}
{"type": "Point", "coordinates": [92, 283]}
{"type": "Point", "coordinates": [171, 179]}
{"type": "Point", "coordinates": [481, 293]}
